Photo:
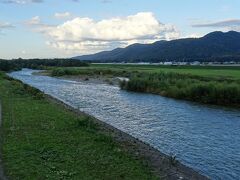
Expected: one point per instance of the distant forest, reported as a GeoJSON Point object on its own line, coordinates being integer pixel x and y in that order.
{"type": "Point", "coordinates": [16, 64]}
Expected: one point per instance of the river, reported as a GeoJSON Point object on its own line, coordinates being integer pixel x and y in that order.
{"type": "Point", "coordinates": [206, 138]}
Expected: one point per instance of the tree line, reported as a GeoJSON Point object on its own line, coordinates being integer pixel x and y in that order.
{"type": "Point", "coordinates": [16, 64]}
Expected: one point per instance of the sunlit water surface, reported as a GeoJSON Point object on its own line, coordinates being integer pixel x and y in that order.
{"type": "Point", "coordinates": [206, 138]}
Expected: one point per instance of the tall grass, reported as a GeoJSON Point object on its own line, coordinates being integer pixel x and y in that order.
{"type": "Point", "coordinates": [183, 86]}
{"type": "Point", "coordinates": [88, 71]}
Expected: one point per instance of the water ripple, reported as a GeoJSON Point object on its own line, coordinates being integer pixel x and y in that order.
{"type": "Point", "coordinates": [203, 137]}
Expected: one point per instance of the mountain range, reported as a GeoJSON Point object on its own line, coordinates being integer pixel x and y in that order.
{"type": "Point", "coordinates": [215, 46]}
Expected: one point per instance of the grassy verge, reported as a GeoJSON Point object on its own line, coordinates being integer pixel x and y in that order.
{"type": "Point", "coordinates": [43, 140]}
{"type": "Point", "coordinates": [211, 85]}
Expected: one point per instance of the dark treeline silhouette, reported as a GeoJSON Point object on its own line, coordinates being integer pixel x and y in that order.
{"type": "Point", "coordinates": [16, 64]}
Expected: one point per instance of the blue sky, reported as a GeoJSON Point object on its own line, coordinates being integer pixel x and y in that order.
{"type": "Point", "coordinates": [54, 28]}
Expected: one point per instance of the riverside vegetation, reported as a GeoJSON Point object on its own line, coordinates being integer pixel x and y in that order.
{"type": "Point", "coordinates": [17, 64]}
{"type": "Point", "coordinates": [43, 140]}
{"type": "Point", "coordinates": [185, 86]}
{"type": "Point", "coordinates": [211, 85]}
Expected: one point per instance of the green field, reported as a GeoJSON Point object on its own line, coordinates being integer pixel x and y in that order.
{"type": "Point", "coordinates": [205, 84]}
{"type": "Point", "coordinates": [232, 72]}
{"type": "Point", "coordinates": [207, 71]}
{"type": "Point", "coordinates": [43, 140]}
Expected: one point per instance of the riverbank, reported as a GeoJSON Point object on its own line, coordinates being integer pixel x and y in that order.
{"type": "Point", "coordinates": [165, 167]}
{"type": "Point", "coordinates": [60, 136]}
{"type": "Point", "coordinates": [43, 140]}
{"type": "Point", "coordinates": [207, 85]}
{"type": "Point", "coordinates": [94, 79]}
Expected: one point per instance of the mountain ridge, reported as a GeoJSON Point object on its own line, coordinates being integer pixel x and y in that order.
{"type": "Point", "coordinates": [215, 46]}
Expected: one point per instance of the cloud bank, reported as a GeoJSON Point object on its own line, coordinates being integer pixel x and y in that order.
{"type": "Point", "coordinates": [38, 1]}
{"type": "Point", "coordinates": [62, 15]}
{"type": "Point", "coordinates": [85, 35]}
{"type": "Point", "coordinates": [20, 1]}
{"type": "Point", "coordinates": [230, 24]}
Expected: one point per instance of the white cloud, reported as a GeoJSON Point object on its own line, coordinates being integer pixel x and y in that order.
{"type": "Point", "coordinates": [34, 21]}
{"type": "Point", "coordinates": [20, 1]}
{"type": "Point", "coordinates": [62, 15]}
{"type": "Point", "coordinates": [85, 35]}
{"type": "Point", "coordinates": [224, 23]}
{"type": "Point", "coordinates": [37, 25]}
{"type": "Point", "coordinates": [193, 35]}
{"type": "Point", "coordinates": [4, 26]}
{"type": "Point", "coordinates": [139, 26]}
{"type": "Point", "coordinates": [79, 47]}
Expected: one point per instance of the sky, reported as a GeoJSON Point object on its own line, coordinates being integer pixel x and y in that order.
{"type": "Point", "coordinates": [66, 28]}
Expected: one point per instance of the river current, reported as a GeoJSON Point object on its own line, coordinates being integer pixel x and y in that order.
{"type": "Point", "coordinates": [206, 138]}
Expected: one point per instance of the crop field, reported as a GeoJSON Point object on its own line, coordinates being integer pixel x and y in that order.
{"type": "Point", "coordinates": [207, 71]}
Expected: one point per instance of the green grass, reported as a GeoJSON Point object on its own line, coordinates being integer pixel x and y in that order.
{"type": "Point", "coordinates": [43, 140]}
{"type": "Point", "coordinates": [207, 71]}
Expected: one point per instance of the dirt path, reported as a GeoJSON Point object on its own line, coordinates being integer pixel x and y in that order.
{"type": "Point", "coordinates": [2, 177]}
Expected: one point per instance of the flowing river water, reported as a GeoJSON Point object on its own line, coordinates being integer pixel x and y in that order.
{"type": "Point", "coordinates": [206, 138]}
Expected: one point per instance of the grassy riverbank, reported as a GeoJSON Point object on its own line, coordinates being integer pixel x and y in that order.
{"type": "Point", "coordinates": [188, 87]}
{"type": "Point", "coordinates": [42, 140]}
{"type": "Point", "coordinates": [211, 85]}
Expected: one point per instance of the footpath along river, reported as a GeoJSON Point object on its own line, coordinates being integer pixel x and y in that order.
{"type": "Point", "coordinates": [206, 138]}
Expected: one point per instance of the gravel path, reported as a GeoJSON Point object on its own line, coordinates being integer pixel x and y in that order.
{"type": "Point", "coordinates": [2, 177]}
